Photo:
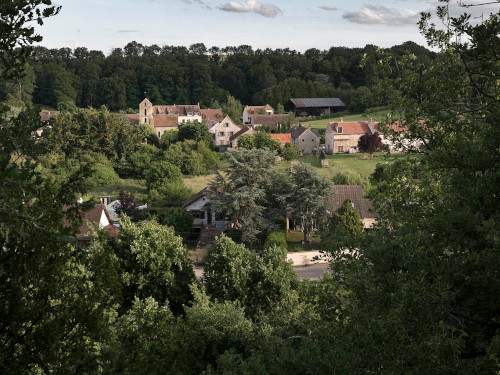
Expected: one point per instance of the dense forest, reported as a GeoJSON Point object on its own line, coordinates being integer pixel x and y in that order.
{"type": "Point", "coordinates": [173, 74]}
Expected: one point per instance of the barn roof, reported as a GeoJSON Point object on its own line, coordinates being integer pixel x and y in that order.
{"type": "Point", "coordinates": [317, 102]}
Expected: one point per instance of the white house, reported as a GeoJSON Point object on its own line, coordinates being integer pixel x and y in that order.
{"type": "Point", "coordinates": [250, 110]}
{"type": "Point", "coordinates": [223, 131]}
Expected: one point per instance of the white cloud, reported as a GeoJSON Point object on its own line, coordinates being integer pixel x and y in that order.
{"type": "Point", "coordinates": [252, 6]}
{"type": "Point", "coordinates": [378, 14]}
{"type": "Point", "coordinates": [328, 7]}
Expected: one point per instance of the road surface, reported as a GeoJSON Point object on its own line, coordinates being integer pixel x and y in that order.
{"type": "Point", "coordinates": [312, 272]}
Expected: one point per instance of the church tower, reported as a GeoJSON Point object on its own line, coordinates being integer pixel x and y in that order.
{"type": "Point", "coordinates": [146, 112]}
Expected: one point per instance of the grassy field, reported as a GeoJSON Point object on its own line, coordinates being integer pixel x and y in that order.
{"type": "Point", "coordinates": [321, 124]}
{"type": "Point", "coordinates": [360, 163]}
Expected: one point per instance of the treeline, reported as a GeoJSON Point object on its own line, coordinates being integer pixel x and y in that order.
{"type": "Point", "coordinates": [182, 75]}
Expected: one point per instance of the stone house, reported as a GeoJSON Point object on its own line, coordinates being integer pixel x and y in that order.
{"type": "Point", "coordinates": [223, 131]}
{"type": "Point", "coordinates": [151, 114]}
{"type": "Point", "coordinates": [343, 136]}
{"type": "Point", "coordinates": [251, 110]}
{"type": "Point", "coordinates": [305, 139]}
{"type": "Point", "coordinates": [274, 123]}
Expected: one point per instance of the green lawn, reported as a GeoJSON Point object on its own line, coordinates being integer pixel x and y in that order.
{"type": "Point", "coordinates": [321, 124]}
{"type": "Point", "coordinates": [360, 163]}
{"type": "Point", "coordinates": [294, 242]}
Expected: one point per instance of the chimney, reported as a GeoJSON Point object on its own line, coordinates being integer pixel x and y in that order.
{"type": "Point", "coordinates": [341, 119]}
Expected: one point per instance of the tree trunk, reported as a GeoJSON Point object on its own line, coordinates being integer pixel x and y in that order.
{"type": "Point", "coordinates": [305, 234]}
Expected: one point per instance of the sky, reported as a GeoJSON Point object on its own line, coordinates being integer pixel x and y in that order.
{"type": "Point", "coordinates": [296, 24]}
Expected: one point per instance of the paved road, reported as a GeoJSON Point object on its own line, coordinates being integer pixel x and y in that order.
{"type": "Point", "coordinates": [312, 272]}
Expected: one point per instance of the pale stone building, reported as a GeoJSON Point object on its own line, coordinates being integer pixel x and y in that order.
{"type": "Point", "coordinates": [223, 131]}
{"type": "Point", "coordinates": [251, 110]}
{"type": "Point", "coordinates": [343, 136]}
{"type": "Point", "coordinates": [305, 139]}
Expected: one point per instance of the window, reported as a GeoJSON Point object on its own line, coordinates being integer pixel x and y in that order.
{"type": "Point", "coordinates": [230, 133]}
{"type": "Point", "coordinates": [312, 139]}
{"type": "Point", "coordinates": [159, 135]}
{"type": "Point", "coordinates": [339, 129]}
{"type": "Point", "coordinates": [226, 125]}
{"type": "Point", "coordinates": [145, 120]}
{"type": "Point", "coordinates": [145, 113]}
{"type": "Point", "coordinates": [221, 134]}
{"type": "Point", "coordinates": [183, 121]}
{"type": "Point", "coordinates": [341, 149]}
{"type": "Point", "coordinates": [303, 140]}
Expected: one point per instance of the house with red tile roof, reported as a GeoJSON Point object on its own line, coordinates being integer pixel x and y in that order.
{"type": "Point", "coordinates": [282, 137]}
{"type": "Point", "coordinates": [343, 136]}
{"type": "Point", "coordinates": [251, 110]}
{"type": "Point", "coordinates": [211, 114]}
{"type": "Point", "coordinates": [97, 217]}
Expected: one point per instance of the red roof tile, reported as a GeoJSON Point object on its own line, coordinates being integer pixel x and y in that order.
{"type": "Point", "coordinates": [211, 114]}
{"type": "Point", "coordinates": [133, 119]}
{"type": "Point", "coordinates": [165, 120]}
{"type": "Point", "coordinates": [283, 138]}
{"type": "Point", "coordinates": [353, 127]}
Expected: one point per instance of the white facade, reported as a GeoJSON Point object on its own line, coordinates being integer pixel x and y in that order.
{"type": "Point", "coordinates": [223, 130]}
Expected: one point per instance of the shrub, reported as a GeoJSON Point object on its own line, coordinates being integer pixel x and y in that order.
{"type": "Point", "coordinates": [275, 239]}
{"type": "Point", "coordinates": [350, 177]}
{"type": "Point", "coordinates": [162, 173]}
{"type": "Point", "coordinates": [280, 221]}
{"type": "Point", "coordinates": [381, 172]}
{"type": "Point", "coordinates": [179, 219]}
{"type": "Point", "coordinates": [290, 152]}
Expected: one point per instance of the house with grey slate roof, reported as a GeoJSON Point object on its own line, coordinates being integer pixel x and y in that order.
{"type": "Point", "coordinates": [307, 107]}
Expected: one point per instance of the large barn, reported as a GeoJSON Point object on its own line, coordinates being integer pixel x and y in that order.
{"type": "Point", "coordinates": [303, 107]}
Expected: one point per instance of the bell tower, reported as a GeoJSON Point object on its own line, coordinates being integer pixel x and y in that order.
{"type": "Point", "coordinates": [146, 112]}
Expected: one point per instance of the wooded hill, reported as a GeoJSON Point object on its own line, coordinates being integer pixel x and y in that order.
{"type": "Point", "coordinates": [176, 74]}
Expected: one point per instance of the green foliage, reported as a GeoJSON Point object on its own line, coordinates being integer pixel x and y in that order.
{"type": "Point", "coordinates": [192, 158]}
{"type": "Point", "coordinates": [361, 100]}
{"type": "Point", "coordinates": [280, 109]}
{"type": "Point", "coordinates": [180, 220]}
{"type": "Point", "coordinates": [281, 221]}
{"type": "Point", "coordinates": [170, 195]}
{"type": "Point", "coordinates": [345, 223]}
{"type": "Point", "coordinates": [351, 177]}
{"type": "Point", "coordinates": [233, 108]}
{"type": "Point", "coordinates": [381, 172]}
{"type": "Point", "coordinates": [276, 239]}
{"type": "Point", "coordinates": [309, 196]}
{"type": "Point", "coordinates": [260, 284]}
{"type": "Point", "coordinates": [241, 194]}
{"type": "Point", "coordinates": [259, 140]}
{"type": "Point", "coordinates": [195, 131]}
{"type": "Point", "coordinates": [168, 138]}
{"type": "Point", "coordinates": [144, 339]}
{"type": "Point", "coordinates": [99, 131]}
{"type": "Point", "coordinates": [139, 162]}
{"type": "Point", "coordinates": [290, 151]}
{"type": "Point", "coordinates": [154, 264]}
{"type": "Point", "coordinates": [162, 173]}
{"type": "Point", "coordinates": [102, 170]}
{"type": "Point", "coordinates": [146, 132]}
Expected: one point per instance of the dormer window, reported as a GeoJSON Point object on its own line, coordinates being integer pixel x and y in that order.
{"type": "Point", "coordinates": [339, 129]}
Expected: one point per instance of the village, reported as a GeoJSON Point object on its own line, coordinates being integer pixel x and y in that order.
{"type": "Point", "coordinates": [341, 137]}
